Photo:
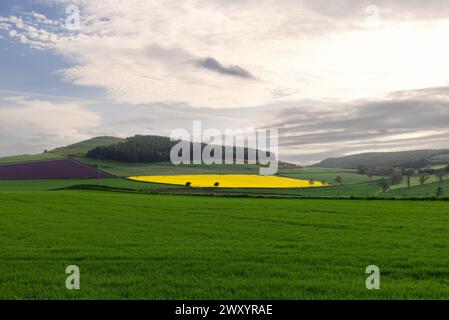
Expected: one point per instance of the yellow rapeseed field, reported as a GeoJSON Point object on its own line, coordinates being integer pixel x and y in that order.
{"type": "Point", "coordinates": [230, 181]}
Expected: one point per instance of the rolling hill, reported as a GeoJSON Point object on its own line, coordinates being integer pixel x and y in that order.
{"type": "Point", "coordinates": [30, 157]}
{"type": "Point", "coordinates": [78, 149]}
{"type": "Point", "coordinates": [151, 148]}
{"type": "Point", "coordinates": [81, 148]}
{"type": "Point", "coordinates": [409, 159]}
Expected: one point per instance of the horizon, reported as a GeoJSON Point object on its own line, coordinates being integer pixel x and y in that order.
{"type": "Point", "coordinates": [224, 145]}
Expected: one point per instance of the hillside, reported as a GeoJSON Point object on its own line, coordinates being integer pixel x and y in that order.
{"type": "Point", "coordinates": [78, 149]}
{"type": "Point", "coordinates": [30, 157]}
{"type": "Point", "coordinates": [419, 191]}
{"type": "Point", "coordinates": [409, 159]}
{"type": "Point", "coordinates": [81, 148]}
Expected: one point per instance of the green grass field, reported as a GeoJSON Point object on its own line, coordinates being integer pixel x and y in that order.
{"type": "Point", "coordinates": [328, 175]}
{"type": "Point", "coordinates": [124, 169]}
{"type": "Point", "coordinates": [43, 185]}
{"type": "Point", "coordinates": [414, 182]}
{"type": "Point", "coordinates": [426, 190]}
{"type": "Point", "coordinates": [84, 146]}
{"type": "Point", "coordinates": [135, 246]}
{"type": "Point", "coordinates": [353, 185]}
{"type": "Point", "coordinates": [26, 158]}
{"type": "Point", "coordinates": [345, 191]}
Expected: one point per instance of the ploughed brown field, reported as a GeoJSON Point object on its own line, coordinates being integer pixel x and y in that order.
{"type": "Point", "coordinates": [51, 169]}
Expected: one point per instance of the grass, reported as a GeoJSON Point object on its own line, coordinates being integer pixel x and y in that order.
{"type": "Point", "coordinates": [134, 246]}
{"type": "Point", "coordinates": [126, 169]}
{"type": "Point", "coordinates": [328, 175]}
{"type": "Point", "coordinates": [59, 153]}
{"type": "Point", "coordinates": [42, 185]}
{"type": "Point", "coordinates": [353, 184]}
{"type": "Point", "coordinates": [354, 190]}
{"type": "Point", "coordinates": [414, 181]}
{"type": "Point", "coordinates": [28, 157]}
{"type": "Point", "coordinates": [84, 146]}
{"type": "Point", "coordinates": [426, 190]}
{"type": "Point", "coordinates": [122, 169]}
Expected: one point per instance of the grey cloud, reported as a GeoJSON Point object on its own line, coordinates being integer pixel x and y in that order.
{"type": "Point", "coordinates": [395, 123]}
{"type": "Point", "coordinates": [439, 93]}
{"type": "Point", "coordinates": [174, 57]}
{"type": "Point", "coordinates": [214, 65]}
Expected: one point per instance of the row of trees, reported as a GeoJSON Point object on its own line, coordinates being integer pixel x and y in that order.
{"type": "Point", "coordinates": [398, 175]}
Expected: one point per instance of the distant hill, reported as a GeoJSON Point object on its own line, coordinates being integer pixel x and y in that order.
{"type": "Point", "coordinates": [409, 159]}
{"type": "Point", "coordinates": [78, 149]}
{"type": "Point", "coordinates": [81, 148]}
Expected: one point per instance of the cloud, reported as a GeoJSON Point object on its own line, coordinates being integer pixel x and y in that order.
{"type": "Point", "coordinates": [410, 120]}
{"type": "Point", "coordinates": [212, 64]}
{"type": "Point", "coordinates": [357, 88]}
{"type": "Point", "coordinates": [34, 125]}
{"type": "Point", "coordinates": [391, 10]}
{"type": "Point", "coordinates": [434, 93]}
{"type": "Point", "coordinates": [204, 52]}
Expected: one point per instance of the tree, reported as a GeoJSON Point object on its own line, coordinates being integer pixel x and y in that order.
{"type": "Point", "coordinates": [339, 180]}
{"type": "Point", "coordinates": [440, 192]}
{"type": "Point", "coordinates": [188, 184]}
{"type": "Point", "coordinates": [311, 182]}
{"type": "Point", "coordinates": [423, 177]}
{"type": "Point", "coordinates": [323, 182]}
{"type": "Point", "coordinates": [386, 171]}
{"type": "Point", "coordinates": [440, 174]}
{"type": "Point", "coordinates": [384, 185]}
{"type": "Point", "coordinates": [216, 184]}
{"type": "Point", "coordinates": [409, 173]}
{"type": "Point", "coordinates": [362, 169]}
{"type": "Point", "coordinates": [396, 177]}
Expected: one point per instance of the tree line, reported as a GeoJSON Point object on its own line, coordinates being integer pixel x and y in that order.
{"type": "Point", "coordinates": [396, 176]}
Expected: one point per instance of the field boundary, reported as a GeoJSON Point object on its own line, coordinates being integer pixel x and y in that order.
{"type": "Point", "coordinates": [217, 193]}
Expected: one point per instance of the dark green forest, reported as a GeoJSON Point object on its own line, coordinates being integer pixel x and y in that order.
{"type": "Point", "coordinates": [149, 149]}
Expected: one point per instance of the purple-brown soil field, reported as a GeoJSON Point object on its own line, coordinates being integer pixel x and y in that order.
{"type": "Point", "coordinates": [51, 169]}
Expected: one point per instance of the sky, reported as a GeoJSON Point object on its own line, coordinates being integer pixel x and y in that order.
{"type": "Point", "coordinates": [334, 77]}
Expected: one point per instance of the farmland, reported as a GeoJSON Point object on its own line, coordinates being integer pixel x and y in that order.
{"type": "Point", "coordinates": [231, 181]}
{"type": "Point", "coordinates": [51, 184]}
{"type": "Point", "coordinates": [50, 169]}
{"type": "Point", "coordinates": [325, 174]}
{"type": "Point", "coordinates": [352, 184]}
{"type": "Point", "coordinates": [167, 247]}
{"type": "Point", "coordinates": [27, 157]}
{"type": "Point", "coordinates": [153, 239]}
{"type": "Point", "coordinates": [124, 169]}
{"type": "Point", "coordinates": [425, 190]}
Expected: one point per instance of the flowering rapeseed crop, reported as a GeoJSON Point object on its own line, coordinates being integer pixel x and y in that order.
{"type": "Point", "coordinates": [230, 181]}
